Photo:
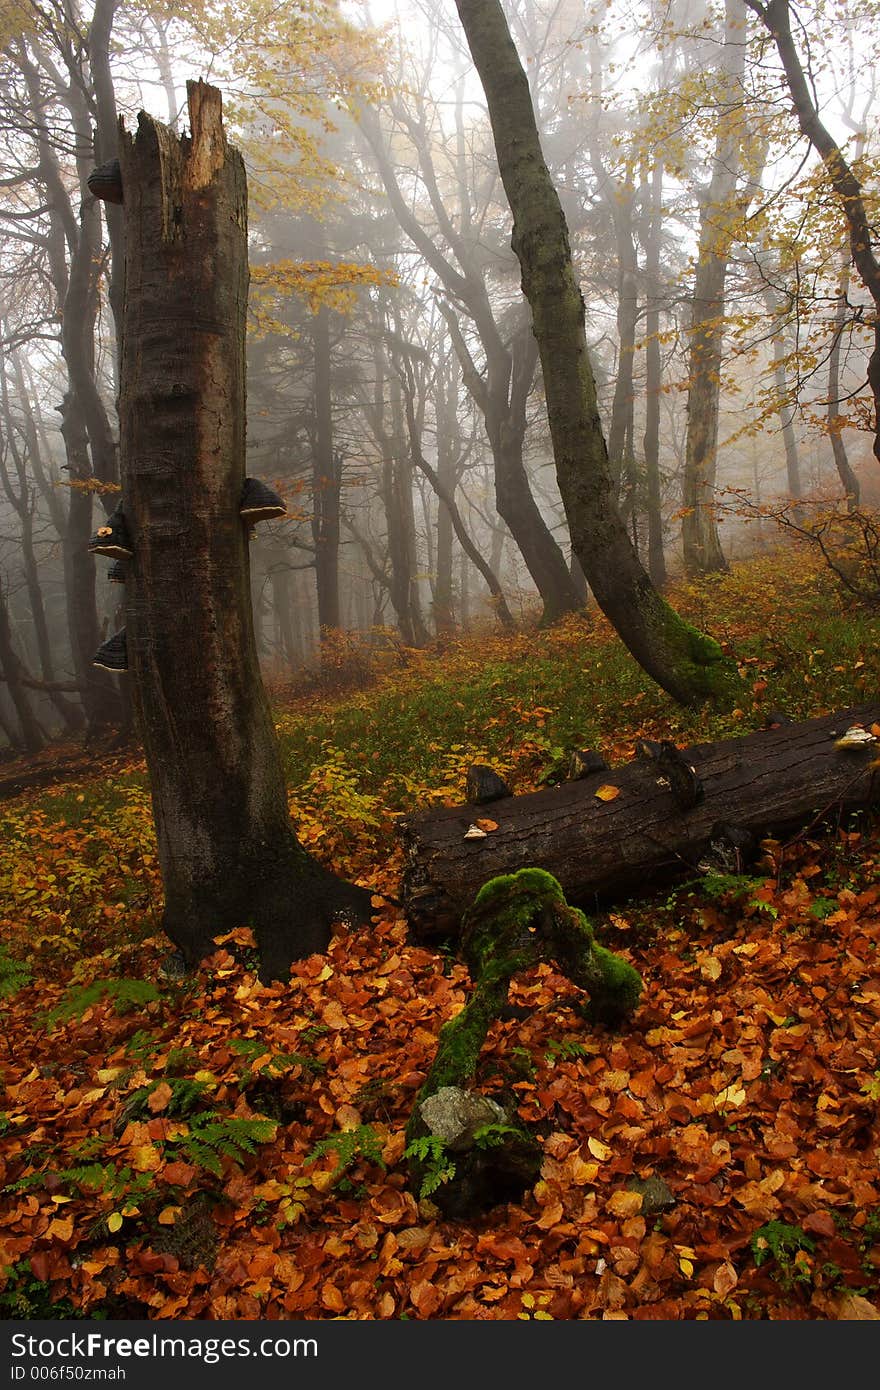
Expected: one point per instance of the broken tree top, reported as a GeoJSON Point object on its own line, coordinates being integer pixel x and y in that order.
{"type": "Point", "coordinates": [613, 843]}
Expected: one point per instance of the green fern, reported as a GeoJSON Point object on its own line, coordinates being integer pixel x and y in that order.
{"type": "Point", "coordinates": [186, 1097]}
{"type": "Point", "coordinates": [493, 1136]}
{"type": "Point", "coordinates": [213, 1137]}
{"type": "Point", "coordinates": [86, 1179]}
{"type": "Point", "coordinates": [789, 1247]}
{"type": "Point", "coordinates": [348, 1145]}
{"type": "Point", "coordinates": [565, 1049]}
{"type": "Point", "coordinates": [430, 1150]}
{"type": "Point", "coordinates": [14, 974]}
{"type": "Point", "coordinates": [252, 1048]}
{"type": "Point", "coordinates": [125, 994]}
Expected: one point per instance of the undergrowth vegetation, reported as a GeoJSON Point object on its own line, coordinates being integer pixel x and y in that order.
{"type": "Point", "coordinates": [208, 1146]}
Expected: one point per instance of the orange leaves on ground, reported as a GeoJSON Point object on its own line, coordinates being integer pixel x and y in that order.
{"type": "Point", "coordinates": [745, 1088]}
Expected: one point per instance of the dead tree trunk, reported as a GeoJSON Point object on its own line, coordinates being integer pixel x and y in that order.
{"type": "Point", "coordinates": [772, 781]}
{"type": "Point", "coordinates": [226, 848]}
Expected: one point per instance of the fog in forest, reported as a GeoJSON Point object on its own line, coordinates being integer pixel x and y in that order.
{"type": "Point", "coordinates": [395, 397]}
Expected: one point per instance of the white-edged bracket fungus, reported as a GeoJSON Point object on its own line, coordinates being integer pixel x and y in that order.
{"type": "Point", "coordinates": [112, 538]}
{"type": "Point", "coordinates": [259, 502]}
{"type": "Point", "coordinates": [112, 655]}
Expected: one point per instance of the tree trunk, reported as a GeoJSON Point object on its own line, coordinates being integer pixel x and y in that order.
{"type": "Point", "coordinates": [771, 781]}
{"type": "Point", "coordinates": [449, 507]}
{"type": "Point", "coordinates": [447, 436]}
{"type": "Point", "coordinates": [776, 16]}
{"type": "Point", "coordinates": [325, 484]}
{"type": "Point", "coordinates": [101, 701]}
{"type": "Point", "coordinates": [653, 377]}
{"type": "Point", "coordinates": [11, 671]}
{"type": "Point", "coordinates": [699, 531]}
{"type": "Point", "coordinates": [22, 500]}
{"type": "Point", "coordinates": [848, 479]}
{"type": "Point", "coordinates": [226, 848]}
{"type": "Point", "coordinates": [501, 390]}
{"type": "Point", "coordinates": [687, 664]}
{"type": "Point", "coordinates": [106, 147]}
{"type": "Point", "coordinates": [786, 421]}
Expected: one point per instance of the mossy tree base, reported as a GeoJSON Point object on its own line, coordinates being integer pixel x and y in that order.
{"type": "Point", "coordinates": [517, 921]}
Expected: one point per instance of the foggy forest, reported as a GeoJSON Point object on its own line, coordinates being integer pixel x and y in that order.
{"type": "Point", "coordinates": [439, 730]}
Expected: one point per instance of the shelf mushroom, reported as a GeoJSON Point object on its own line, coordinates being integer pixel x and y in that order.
{"type": "Point", "coordinates": [105, 182]}
{"type": "Point", "coordinates": [259, 502]}
{"type": "Point", "coordinates": [112, 655]}
{"type": "Point", "coordinates": [112, 538]}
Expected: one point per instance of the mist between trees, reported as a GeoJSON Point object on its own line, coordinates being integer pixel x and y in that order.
{"type": "Point", "coordinates": [396, 400]}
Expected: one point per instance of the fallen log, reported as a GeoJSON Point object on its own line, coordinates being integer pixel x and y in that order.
{"type": "Point", "coordinates": [767, 783]}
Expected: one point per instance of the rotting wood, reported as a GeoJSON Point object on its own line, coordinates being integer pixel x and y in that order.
{"type": "Point", "coordinates": [771, 782]}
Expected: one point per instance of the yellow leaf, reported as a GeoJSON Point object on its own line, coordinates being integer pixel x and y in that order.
{"type": "Point", "coordinates": [325, 974]}
{"type": "Point", "coordinates": [686, 1266]}
{"type": "Point", "coordinates": [145, 1158]}
{"type": "Point", "coordinates": [582, 1172]}
{"type": "Point", "coordinates": [710, 966]}
{"type": "Point", "coordinates": [108, 1074]}
{"type": "Point", "coordinates": [624, 1204]}
{"type": "Point", "coordinates": [168, 1215]}
{"type": "Point", "coordinates": [598, 1149]}
{"type": "Point", "coordinates": [606, 792]}
{"type": "Point", "coordinates": [731, 1095]}
{"type": "Point", "coordinates": [114, 1221]}
{"type": "Point", "coordinates": [207, 1077]}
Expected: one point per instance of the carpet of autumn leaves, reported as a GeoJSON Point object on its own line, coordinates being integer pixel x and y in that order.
{"type": "Point", "coordinates": [208, 1146]}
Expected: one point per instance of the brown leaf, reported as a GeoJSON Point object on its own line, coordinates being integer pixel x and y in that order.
{"type": "Point", "coordinates": [332, 1298]}
{"type": "Point", "coordinates": [159, 1097]}
{"type": "Point", "coordinates": [550, 1216]}
{"type": "Point", "coordinates": [854, 1308]}
{"type": "Point", "coordinates": [726, 1279]}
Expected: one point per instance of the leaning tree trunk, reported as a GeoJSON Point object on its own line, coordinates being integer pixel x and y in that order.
{"type": "Point", "coordinates": [226, 848]}
{"type": "Point", "coordinates": [776, 17]}
{"type": "Point", "coordinates": [687, 664]}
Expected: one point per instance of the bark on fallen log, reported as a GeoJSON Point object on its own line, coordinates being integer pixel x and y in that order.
{"type": "Point", "coordinates": [772, 782]}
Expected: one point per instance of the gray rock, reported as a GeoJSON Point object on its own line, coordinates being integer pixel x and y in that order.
{"type": "Point", "coordinates": [455, 1115]}
{"type": "Point", "coordinates": [656, 1196]}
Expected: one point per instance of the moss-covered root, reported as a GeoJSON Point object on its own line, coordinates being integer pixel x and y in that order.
{"type": "Point", "coordinates": [461, 1039]}
{"type": "Point", "coordinates": [518, 920]}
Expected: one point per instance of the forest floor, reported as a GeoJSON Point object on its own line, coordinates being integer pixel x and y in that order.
{"type": "Point", "coordinates": [208, 1147]}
